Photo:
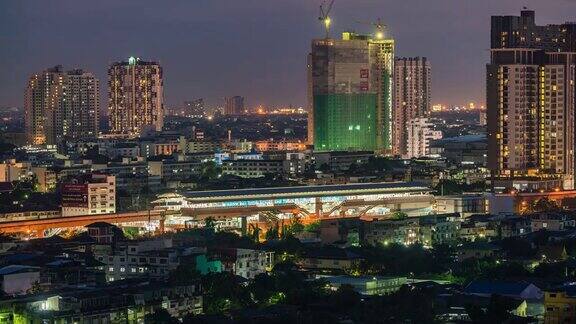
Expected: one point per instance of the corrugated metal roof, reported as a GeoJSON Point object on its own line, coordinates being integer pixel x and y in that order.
{"type": "Point", "coordinates": [310, 190]}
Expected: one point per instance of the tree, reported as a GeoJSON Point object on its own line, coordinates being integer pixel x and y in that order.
{"type": "Point", "coordinates": [131, 233]}
{"type": "Point", "coordinates": [224, 293]}
{"type": "Point", "coordinates": [210, 170]}
{"type": "Point", "coordinates": [310, 171]}
{"type": "Point", "coordinates": [160, 316]}
{"type": "Point", "coordinates": [498, 311]}
{"type": "Point", "coordinates": [379, 164]}
{"type": "Point", "coordinates": [516, 247]}
{"type": "Point", "coordinates": [262, 288]}
{"type": "Point", "coordinates": [353, 168]}
{"type": "Point", "coordinates": [399, 215]}
{"type": "Point", "coordinates": [34, 288]}
{"type": "Point", "coordinates": [6, 148]}
{"type": "Point", "coordinates": [210, 224]}
{"type": "Point", "coordinates": [254, 233]}
{"type": "Point", "coordinates": [184, 274]}
{"type": "Point", "coordinates": [273, 233]}
{"type": "Point", "coordinates": [448, 187]}
{"type": "Point", "coordinates": [295, 226]}
{"type": "Point", "coordinates": [345, 298]}
{"type": "Point", "coordinates": [312, 227]}
{"type": "Point", "coordinates": [543, 205]}
{"type": "Point", "coordinates": [325, 168]}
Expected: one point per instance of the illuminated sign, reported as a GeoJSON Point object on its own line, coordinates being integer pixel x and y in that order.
{"type": "Point", "coordinates": [74, 195]}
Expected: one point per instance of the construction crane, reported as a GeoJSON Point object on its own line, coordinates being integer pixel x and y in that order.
{"type": "Point", "coordinates": [325, 9]}
{"type": "Point", "coordinates": [380, 27]}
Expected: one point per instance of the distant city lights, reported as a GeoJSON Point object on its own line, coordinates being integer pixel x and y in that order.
{"type": "Point", "coordinates": [471, 106]}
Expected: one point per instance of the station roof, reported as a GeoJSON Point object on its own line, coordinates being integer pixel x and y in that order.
{"type": "Point", "coordinates": [306, 191]}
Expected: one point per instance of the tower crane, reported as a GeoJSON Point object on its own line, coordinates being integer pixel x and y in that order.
{"type": "Point", "coordinates": [324, 17]}
{"type": "Point", "coordinates": [380, 27]}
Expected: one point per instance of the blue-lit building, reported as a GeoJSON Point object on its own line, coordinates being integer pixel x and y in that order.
{"type": "Point", "coordinates": [349, 200]}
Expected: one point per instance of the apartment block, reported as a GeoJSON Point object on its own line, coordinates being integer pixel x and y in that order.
{"type": "Point", "coordinates": [412, 95]}
{"type": "Point", "coordinates": [135, 97]}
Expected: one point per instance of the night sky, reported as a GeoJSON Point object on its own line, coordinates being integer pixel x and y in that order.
{"type": "Point", "coordinates": [255, 48]}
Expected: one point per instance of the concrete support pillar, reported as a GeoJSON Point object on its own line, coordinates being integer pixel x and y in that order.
{"type": "Point", "coordinates": [162, 227]}
{"type": "Point", "coordinates": [243, 225]}
{"type": "Point", "coordinates": [318, 204]}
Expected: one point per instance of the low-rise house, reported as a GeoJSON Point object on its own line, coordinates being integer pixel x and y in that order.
{"type": "Point", "coordinates": [19, 279]}
{"type": "Point", "coordinates": [553, 253]}
{"type": "Point", "coordinates": [138, 259]}
{"type": "Point", "coordinates": [453, 307]}
{"type": "Point", "coordinates": [405, 231]}
{"type": "Point", "coordinates": [247, 263]}
{"type": "Point", "coordinates": [330, 258]}
{"type": "Point", "coordinates": [477, 250]}
{"type": "Point", "coordinates": [428, 230]}
{"type": "Point", "coordinates": [560, 305]}
{"type": "Point", "coordinates": [518, 290]}
{"type": "Point", "coordinates": [439, 229]}
{"type": "Point", "coordinates": [367, 285]}
{"type": "Point", "coordinates": [204, 265]}
{"type": "Point", "coordinates": [125, 302]}
{"type": "Point", "coordinates": [248, 168]}
{"type": "Point", "coordinates": [551, 222]}
{"type": "Point", "coordinates": [342, 160]}
{"type": "Point", "coordinates": [514, 226]}
{"type": "Point", "coordinates": [340, 230]}
{"type": "Point", "coordinates": [104, 233]}
{"type": "Point", "coordinates": [466, 204]}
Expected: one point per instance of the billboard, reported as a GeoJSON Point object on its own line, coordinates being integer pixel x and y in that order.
{"type": "Point", "coordinates": [74, 195]}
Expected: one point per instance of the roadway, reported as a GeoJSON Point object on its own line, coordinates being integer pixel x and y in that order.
{"type": "Point", "coordinates": [37, 227]}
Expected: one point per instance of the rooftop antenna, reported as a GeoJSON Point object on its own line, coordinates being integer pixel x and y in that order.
{"type": "Point", "coordinates": [380, 27]}
{"type": "Point", "coordinates": [325, 9]}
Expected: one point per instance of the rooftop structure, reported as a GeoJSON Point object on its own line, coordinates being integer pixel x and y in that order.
{"type": "Point", "coordinates": [352, 200]}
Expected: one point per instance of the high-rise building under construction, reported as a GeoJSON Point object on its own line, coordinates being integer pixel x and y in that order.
{"type": "Point", "coordinates": [350, 89]}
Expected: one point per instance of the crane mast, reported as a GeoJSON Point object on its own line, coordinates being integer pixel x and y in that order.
{"type": "Point", "coordinates": [324, 17]}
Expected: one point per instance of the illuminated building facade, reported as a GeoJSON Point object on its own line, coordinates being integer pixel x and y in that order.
{"type": "Point", "coordinates": [419, 133]}
{"type": "Point", "coordinates": [135, 97]}
{"type": "Point", "coordinates": [412, 92]}
{"type": "Point", "coordinates": [560, 305]}
{"type": "Point", "coordinates": [359, 199]}
{"type": "Point", "coordinates": [351, 82]}
{"type": "Point", "coordinates": [282, 145]}
{"type": "Point", "coordinates": [531, 102]}
{"type": "Point", "coordinates": [61, 105]}
{"type": "Point", "coordinates": [194, 109]}
{"type": "Point", "coordinates": [522, 32]}
{"type": "Point", "coordinates": [92, 194]}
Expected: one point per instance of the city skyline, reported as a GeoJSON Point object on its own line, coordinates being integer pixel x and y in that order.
{"type": "Point", "coordinates": [256, 161]}
{"type": "Point", "coordinates": [190, 43]}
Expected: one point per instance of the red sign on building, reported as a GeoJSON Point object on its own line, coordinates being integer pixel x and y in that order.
{"type": "Point", "coordinates": [364, 86]}
{"type": "Point", "coordinates": [364, 73]}
{"type": "Point", "coordinates": [74, 195]}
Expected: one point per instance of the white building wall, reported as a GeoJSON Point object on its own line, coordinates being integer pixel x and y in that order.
{"type": "Point", "coordinates": [420, 132]}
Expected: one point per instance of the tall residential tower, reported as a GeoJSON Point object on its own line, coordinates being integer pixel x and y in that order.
{"type": "Point", "coordinates": [412, 92]}
{"type": "Point", "coordinates": [531, 99]}
{"type": "Point", "coordinates": [61, 105]}
{"type": "Point", "coordinates": [350, 86]}
{"type": "Point", "coordinates": [135, 97]}
{"type": "Point", "coordinates": [234, 106]}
